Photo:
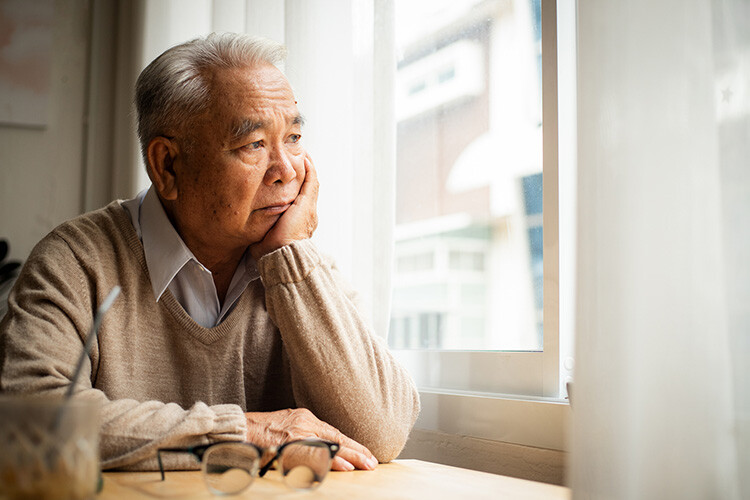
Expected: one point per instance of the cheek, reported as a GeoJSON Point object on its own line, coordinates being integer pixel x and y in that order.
{"type": "Point", "coordinates": [235, 198]}
{"type": "Point", "coordinates": [249, 186]}
{"type": "Point", "coordinates": [213, 198]}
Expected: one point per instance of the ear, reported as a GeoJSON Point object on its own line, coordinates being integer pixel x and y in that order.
{"type": "Point", "coordinates": [162, 153]}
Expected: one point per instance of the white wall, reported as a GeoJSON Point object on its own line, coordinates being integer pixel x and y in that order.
{"type": "Point", "coordinates": [41, 169]}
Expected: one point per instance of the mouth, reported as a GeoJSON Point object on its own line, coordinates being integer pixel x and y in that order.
{"type": "Point", "coordinates": [276, 209]}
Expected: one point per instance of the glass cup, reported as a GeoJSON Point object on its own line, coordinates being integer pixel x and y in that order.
{"type": "Point", "coordinates": [50, 449]}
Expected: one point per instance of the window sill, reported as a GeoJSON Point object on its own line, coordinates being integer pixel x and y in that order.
{"type": "Point", "coordinates": [528, 421]}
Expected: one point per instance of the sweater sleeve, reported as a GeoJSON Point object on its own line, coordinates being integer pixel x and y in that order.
{"type": "Point", "coordinates": [50, 311]}
{"type": "Point", "coordinates": [340, 371]}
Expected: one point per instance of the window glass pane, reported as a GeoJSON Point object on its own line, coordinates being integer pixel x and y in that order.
{"type": "Point", "coordinates": [469, 252]}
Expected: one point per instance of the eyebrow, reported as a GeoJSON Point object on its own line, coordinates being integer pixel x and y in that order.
{"type": "Point", "coordinates": [244, 128]}
{"type": "Point", "coordinates": [248, 126]}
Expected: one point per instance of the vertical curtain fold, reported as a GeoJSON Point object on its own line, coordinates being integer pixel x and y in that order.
{"type": "Point", "coordinates": [337, 75]}
{"type": "Point", "coordinates": [661, 303]}
{"type": "Point", "coordinates": [731, 38]}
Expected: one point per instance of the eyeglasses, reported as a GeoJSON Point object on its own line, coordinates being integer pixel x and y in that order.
{"type": "Point", "coordinates": [230, 467]}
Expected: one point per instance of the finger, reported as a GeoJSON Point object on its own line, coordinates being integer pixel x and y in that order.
{"type": "Point", "coordinates": [357, 459]}
{"type": "Point", "coordinates": [352, 451]}
{"type": "Point", "coordinates": [341, 464]}
{"type": "Point", "coordinates": [349, 449]}
{"type": "Point", "coordinates": [311, 185]}
{"type": "Point", "coordinates": [347, 442]}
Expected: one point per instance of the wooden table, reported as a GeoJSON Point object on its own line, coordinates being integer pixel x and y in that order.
{"type": "Point", "coordinates": [401, 479]}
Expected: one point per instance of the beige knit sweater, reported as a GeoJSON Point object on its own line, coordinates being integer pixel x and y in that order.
{"type": "Point", "coordinates": [294, 339]}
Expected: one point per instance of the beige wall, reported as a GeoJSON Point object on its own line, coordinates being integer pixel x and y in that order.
{"type": "Point", "coordinates": [86, 155]}
{"type": "Point", "coordinates": [41, 169]}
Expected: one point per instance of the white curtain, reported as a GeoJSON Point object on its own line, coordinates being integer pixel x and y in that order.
{"type": "Point", "coordinates": [350, 134]}
{"type": "Point", "coordinates": [662, 383]}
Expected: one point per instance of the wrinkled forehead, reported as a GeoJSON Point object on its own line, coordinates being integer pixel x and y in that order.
{"type": "Point", "coordinates": [259, 93]}
{"type": "Point", "coordinates": [260, 82]}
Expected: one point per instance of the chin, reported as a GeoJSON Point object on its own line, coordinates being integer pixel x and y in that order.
{"type": "Point", "coordinates": [257, 229]}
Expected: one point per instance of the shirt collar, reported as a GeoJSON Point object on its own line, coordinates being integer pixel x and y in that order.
{"type": "Point", "coordinates": [165, 251]}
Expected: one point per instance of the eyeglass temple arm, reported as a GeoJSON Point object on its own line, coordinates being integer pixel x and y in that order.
{"type": "Point", "coordinates": [161, 465]}
{"type": "Point", "coordinates": [173, 450]}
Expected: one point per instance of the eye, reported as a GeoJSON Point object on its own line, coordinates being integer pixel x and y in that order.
{"type": "Point", "coordinates": [253, 146]}
{"type": "Point", "coordinates": [294, 138]}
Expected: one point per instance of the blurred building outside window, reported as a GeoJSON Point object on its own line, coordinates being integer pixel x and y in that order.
{"type": "Point", "coordinates": [468, 271]}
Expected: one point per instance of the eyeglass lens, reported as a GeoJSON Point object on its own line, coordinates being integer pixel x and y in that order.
{"type": "Point", "coordinates": [229, 468]}
{"type": "Point", "coordinates": [304, 465]}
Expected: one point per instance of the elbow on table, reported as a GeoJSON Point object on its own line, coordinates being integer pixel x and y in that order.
{"type": "Point", "coordinates": [387, 445]}
{"type": "Point", "coordinates": [389, 436]}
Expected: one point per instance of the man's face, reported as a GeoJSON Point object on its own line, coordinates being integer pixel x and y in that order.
{"type": "Point", "coordinates": [245, 162]}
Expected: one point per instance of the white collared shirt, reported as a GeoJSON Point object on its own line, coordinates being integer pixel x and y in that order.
{"type": "Point", "coordinates": [172, 266]}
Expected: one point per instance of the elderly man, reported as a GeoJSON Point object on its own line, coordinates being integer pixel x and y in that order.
{"type": "Point", "coordinates": [231, 325]}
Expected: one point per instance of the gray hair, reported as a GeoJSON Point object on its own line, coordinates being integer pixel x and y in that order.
{"type": "Point", "coordinates": [175, 87]}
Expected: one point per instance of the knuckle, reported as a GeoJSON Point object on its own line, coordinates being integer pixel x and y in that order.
{"type": "Point", "coordinates": [302, 412]}
{"type": "Point", "coordinates": [301, 417]}
{"type": "Point", "coordinates": [288, 414]}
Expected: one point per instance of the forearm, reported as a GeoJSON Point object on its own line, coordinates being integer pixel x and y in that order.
{"type": "Point", "coordinates": [132, 431]}
{"type": "Point", "coordinates": [340, 371]}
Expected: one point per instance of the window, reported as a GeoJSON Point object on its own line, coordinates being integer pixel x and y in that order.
{"type": "Point", "coordinates": [471, 181]}
{"type": "Point", "coordinates": [468, 145]}
{"type": "Point", "coordinates": [477, 187]}
{"type": "Point", "coordinates": [449, 74]}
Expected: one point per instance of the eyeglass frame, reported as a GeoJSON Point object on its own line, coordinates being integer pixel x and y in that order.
{"type": "Point", "coordinates": [199, 451]}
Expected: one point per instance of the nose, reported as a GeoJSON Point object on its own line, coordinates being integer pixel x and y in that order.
{"type": "Point", "coordinates": [280, 168]}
